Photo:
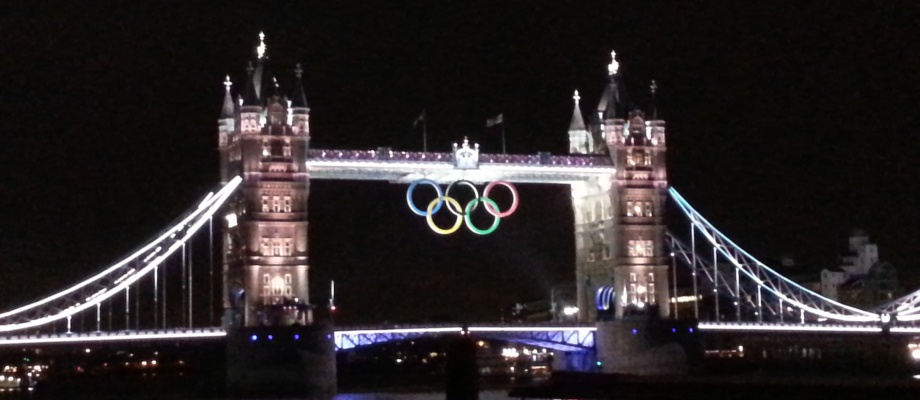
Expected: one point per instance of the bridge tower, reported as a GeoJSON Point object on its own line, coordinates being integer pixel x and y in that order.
{"type": "Point", "coordinates": [264, 137]}
{"type": "Point", "coordinates": [619, 224]}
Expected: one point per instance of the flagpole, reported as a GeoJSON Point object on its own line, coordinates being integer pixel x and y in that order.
{"type": "Point", "coordinates": [503, 137]}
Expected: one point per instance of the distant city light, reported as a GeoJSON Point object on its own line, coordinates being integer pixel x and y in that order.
{"type": "Point", "coordinates": [570, 310]}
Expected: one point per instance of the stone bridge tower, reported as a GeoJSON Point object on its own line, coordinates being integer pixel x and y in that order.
{"type": "Point", "coordinates": [263, 137]}
{"type": "Point", "coordinates": [619, 224]}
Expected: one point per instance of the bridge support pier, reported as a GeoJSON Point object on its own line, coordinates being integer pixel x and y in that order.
{"type": "Point", "coordinates": [646, 346]}
{"type": "Point", "coordinates": [462, 369]}
{"type": "Point", "coordinates": [575, 361]}
{"type": "Point", "coordinates": [288, 361]}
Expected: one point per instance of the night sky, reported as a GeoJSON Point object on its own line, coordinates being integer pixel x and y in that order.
{"type": "Point", "coordinates": [789, 125]}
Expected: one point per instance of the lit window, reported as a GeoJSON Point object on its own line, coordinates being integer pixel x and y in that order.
{"type": "Point", "coordinates": [266, 148]}
{"type": "Point", "coordinates": [277, 286]}
{"type": "Point", "coordinates": [640, 248]}
{"type": "Point", "coordinates": [266, 279]}
{"type": "Point", "coordinates": [646, 158]}
{"type": "Point", "coordinates": [287, 250]}
{"type": "Point", "coordinates": [266, 247]}
{"type": "Point", "coordinates": [264, 203]}
{"type": "Point", "coordinates": [287, 203]}
{"type": "Point", "coordinates": [641, 289]}
{"type": "Point", "coordinates": [276, 203]}
{"type": "Point", "coordinates": [630, 159]}
{"type": "Point", "coordinates": [266, 291]}
{"type": "Point", "coordinates": [287, 148]}
{"type": "Point", "coordinates": [648, 208]}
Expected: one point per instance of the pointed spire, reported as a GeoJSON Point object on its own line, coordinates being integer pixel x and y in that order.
{"type": "Point", "coordinates": [298, 98]}
{"type": "Point", "coordinates": [260, 49]}
{"type": "Point", "coordinates": [227, 110]}
{"type": "Point", "coordinates": [578, 122]}
{"type": "Point", "coordinates": [613, 103]}
{"type": "Point", "coordinates": [614, 67]}
{"type": "Point", "coordinates": [250, 95]}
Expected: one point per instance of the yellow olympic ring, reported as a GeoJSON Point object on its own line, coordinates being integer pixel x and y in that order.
{"type": "Point", "coordinates": [428, 216]}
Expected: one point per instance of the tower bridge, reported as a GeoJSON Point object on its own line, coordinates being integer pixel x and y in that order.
{"type": "Point", "coordinates": [627, 265]}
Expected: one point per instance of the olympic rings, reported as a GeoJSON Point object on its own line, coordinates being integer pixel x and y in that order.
{"type": "Point", "coordinates": [432, 184]}
{"type": "Point", "coordinates": [469, 209]}
{"type": "Point", "coordinates": [436, 203]}
{"type": "Point", "coordinates": [464, 213]}
{"type": "Point", "coordinates": [459, 212]}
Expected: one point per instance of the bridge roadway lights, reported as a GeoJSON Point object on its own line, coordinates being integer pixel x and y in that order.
{"type": "Point", "coordinates": [287, 361]}
{"type": "Point", "coordinates": [646, 345]}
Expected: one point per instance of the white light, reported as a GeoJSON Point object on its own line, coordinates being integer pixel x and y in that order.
{"type": "Point", "coordinates": [202, 216]}
{"type": "Point", "coordinates": [119, 337]}
{"type": "Point", "coordinates": [570, 310]}
{"type": "Point", "coordinates": [87, 351]}
{"type": "Point", "coordinates": [231, 220]}
{"type": "Point", "coordinates": [709, 326]}
{"type": "Point", "coordinates": [915, 354]}
{"type": "Point", "coordinates": [741, 348]}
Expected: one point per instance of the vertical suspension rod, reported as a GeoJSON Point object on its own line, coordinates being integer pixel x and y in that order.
{"type": "Point", "coordinates": [165, 279]}
{"type": "Point", "coordinates": [156, 297]}
{"type": "Point", "coordinates": [696, 295]}
{"type": "Point", "coordinates": [98, 317]}
{"type": "Point", "coordinates": [715, 278]}
{"type": "Point", "coordinates": [127, 308]}
{"type": "Point", "coordinates": [674, 284]}
{"type": "Point", "coordinates": [182, 292]}
{"type": "Point", "coordinates": [760, 296]}
{"type": "Point", "coordinates": [211, 269]}
{"type": "Point", "coordinates": [737, 294]}
{"type": "Point", "coordinates": [191, 287]}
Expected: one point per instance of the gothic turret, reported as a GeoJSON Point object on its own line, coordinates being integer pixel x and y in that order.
{"type": "Point", "coordinates": [580, 141]}
{"type": "Point", "coordinates": [300, 111]}
{"type": "Point", "coordinates": [266, 243]}
{"type": "Point", "coordinates": [227, 122]}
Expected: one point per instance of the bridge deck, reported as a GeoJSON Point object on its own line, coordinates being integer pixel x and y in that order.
{"type": "Point", "coordinates": [407, 166]}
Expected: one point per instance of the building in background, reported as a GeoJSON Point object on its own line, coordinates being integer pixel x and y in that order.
{"type": "Point", "coordinates": [860, 280]}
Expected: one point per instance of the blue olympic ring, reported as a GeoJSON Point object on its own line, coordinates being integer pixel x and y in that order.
{"type": "Point", "coordinates": [431, 183]}
{"type": "Point", "coordinates": [463, 213]}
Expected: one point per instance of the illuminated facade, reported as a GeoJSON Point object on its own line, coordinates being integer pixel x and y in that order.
{"type": "Point", "coordinates": [619, 222]}
{"type": "Point", "coordinates": [263, 137]}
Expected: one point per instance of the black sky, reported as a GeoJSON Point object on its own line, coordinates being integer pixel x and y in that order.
{"type": "Point", "coordinates": [790, 123]}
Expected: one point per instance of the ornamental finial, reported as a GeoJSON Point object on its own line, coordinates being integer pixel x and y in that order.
{"type": "Point", "coordinates": [614, 66]}
{"type": "Point", "coordinates": [298, 72]}
{"type": "Point", "coordinates": [260, 49]}
{"type": "Point", "coordinates": [227, 83]}
{"type": "Point", "coordinates": [576, 97]}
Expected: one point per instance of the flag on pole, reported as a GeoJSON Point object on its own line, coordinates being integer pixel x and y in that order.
{"type": "Point", "coordinates": [420, 119]}
{"type": "Point", "coordinates": [494, 121]}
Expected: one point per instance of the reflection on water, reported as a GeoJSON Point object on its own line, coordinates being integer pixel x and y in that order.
{"type": "Point", "coordinates": [483, 395]}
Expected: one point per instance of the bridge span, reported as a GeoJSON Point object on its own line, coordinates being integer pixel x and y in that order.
{"type": "Point", "coordinates": [568, 338]}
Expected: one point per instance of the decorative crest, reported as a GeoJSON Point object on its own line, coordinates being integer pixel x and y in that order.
{"type": "Point", "coordinates": [614, 66]}
{"type": "Point", "coordinates": [466, 157]}
{"type": "Point", "coordinates": [227, 83]}
{"type": "Point", "coordinates": [576, 97]}
{"type": "Point", "coordinates": [260, 49]}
